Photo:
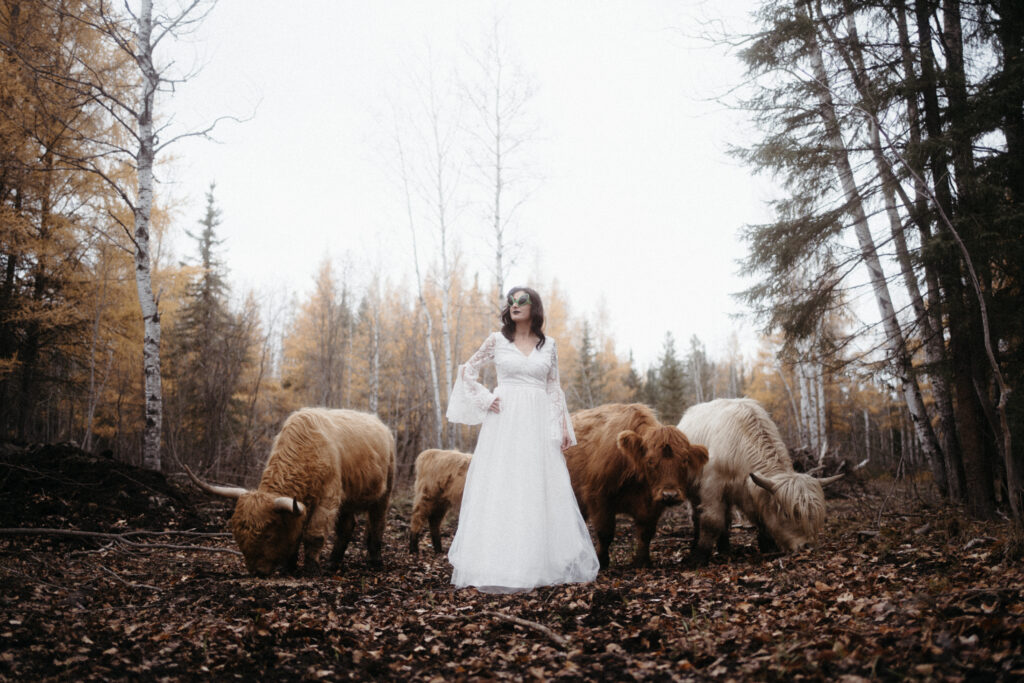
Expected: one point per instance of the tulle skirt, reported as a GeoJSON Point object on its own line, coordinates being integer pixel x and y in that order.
{"type": "Point", "coordinates": [519, 525]}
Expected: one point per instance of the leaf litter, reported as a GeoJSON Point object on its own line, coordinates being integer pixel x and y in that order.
{"type": "Point", "coordinates": [925, 595]}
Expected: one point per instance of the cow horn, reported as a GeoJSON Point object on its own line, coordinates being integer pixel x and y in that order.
{"type": "Point", "coordinates": [287, 504]}
{"type": "Point", "coordinates": [225, 491]}
{"type": "Point", "coordinates": [764, 482]}
{"type": "Point", "coordinates": [825, 481]}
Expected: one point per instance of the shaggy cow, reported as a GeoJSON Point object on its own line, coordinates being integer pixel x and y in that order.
{"type": "Point", "coordinates": [627, 461]}
{"type": "Point", "coordinates": [749, 468]}
{"type": "Point", "coordinates": [324, 466]}
{"type": "Point", "coordinates": [440, 478]}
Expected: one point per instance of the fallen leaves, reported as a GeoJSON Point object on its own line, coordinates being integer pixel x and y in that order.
{"type": "Point", "coordinates": [888, 604]}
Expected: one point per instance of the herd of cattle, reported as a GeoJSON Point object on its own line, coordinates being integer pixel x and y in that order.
{"type": "Point", "coordinates": [327, 465]}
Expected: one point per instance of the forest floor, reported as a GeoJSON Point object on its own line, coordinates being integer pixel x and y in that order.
{"type": "Point", "coordinates": [899, 588]}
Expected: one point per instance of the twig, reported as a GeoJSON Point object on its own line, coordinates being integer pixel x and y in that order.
{"type": "Point", "coordinates": [202, 534]}
{"type": "Point", "coordinates": [130, 584]}
{"type": "Point", "coordinates": [559, 640]}
{"type": "Point", "coordinates": [120, 538]}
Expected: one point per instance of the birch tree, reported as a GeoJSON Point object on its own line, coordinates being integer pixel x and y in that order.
{"type": "Point", "coordinates": [879, 284]}
{"type": "Point", "coordinates": [423, 309]}
{"type": "Point", "coordinates": [431, 159]}
{"type": "Point", "coordinates": [134, 139]}
{"type": "Point", "coordinates": [499, 96]}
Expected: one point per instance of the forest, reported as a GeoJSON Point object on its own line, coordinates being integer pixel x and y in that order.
{"type": "Point", "coordinates": [896, 131]}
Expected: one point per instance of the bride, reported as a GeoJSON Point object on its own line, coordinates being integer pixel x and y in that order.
{"type": "Point", "coordinates": [519, 526]}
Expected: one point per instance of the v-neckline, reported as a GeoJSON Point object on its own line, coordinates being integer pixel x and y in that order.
{"type": "Point", "coordinates": [520, 351]}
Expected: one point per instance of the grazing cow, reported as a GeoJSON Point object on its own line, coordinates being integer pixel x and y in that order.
{"type": "Point", "coordinates": [324, 466]}
{"type": "Point", "coordinates": [440, 478]}
{"type": "Point", "coordinates": [749, 468]}
{"type": "Point", "coordinates": [626, 461]}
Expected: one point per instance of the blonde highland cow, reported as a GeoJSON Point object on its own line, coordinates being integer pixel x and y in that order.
{"type": "Point", "coordinates": [440, 479]}
{"type": "Point", "coordinates": [324, 467]}
{"type": "Point", "coordinates": [749, 468]}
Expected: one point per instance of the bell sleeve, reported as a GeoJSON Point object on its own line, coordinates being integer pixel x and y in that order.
{"type": "Point", "coordinates": [559, 410]}
{"type": "Point", "coordinates": [469, 399]}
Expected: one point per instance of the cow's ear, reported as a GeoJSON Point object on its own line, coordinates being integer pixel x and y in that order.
{"type": "Point", "coordinates": [631, 445]}
{"type": "Point", "coordinates": [698, 456]}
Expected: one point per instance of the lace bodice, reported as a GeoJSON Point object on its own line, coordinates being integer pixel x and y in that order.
{"type": "Point", "coordinates": [470, 400]}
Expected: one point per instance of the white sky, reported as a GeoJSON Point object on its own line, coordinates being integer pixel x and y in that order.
{"type": "Point", "coordinates": [639, 207]}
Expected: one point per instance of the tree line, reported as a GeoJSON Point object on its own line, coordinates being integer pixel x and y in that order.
{"type": "Point", "coordinates": [107, 339]}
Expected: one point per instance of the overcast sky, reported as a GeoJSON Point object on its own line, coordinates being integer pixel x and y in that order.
{"type": "Point", "coordinates": [638, 208]}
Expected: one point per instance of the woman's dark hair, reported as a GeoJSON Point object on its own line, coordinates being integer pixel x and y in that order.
{"type": "Point", "coordinates": [508, 327]}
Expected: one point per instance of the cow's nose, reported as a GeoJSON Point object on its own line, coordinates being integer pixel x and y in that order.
{"type": "Point", "coordinates": [670, 497]}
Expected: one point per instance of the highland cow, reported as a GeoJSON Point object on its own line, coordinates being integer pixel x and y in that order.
{"type": "Point", "coordinates": [324, 467]}
{"type": "Point", "coordinates": [626, 461]}
{"type": "Point", "coordinates": [749, 469]}
{"type": "Point", "coordinates": [440, 478]}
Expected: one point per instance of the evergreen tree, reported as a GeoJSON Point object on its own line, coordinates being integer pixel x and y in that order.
{"type": "Point", "coordinates": [634, 384]}
{"type": "Point", "coordinates": [588, 384]}
{"type": "Point", "coordinates": [650, 391]}
{"type": "Point", "coordinates": [208, 350]}
{"type": "Point", "coordinates": [671, 384]}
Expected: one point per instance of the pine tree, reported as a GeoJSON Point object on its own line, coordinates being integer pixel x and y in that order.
{"type": "Point", "coordinates": [207, 352]}
{"type": "Point", "coordinates": [671, 398]}
{"type": "Point", "coordinates": [650, 392]}
{"type": "Point", "coordinates": [634, 384]}
{"type": "Point", "coordinates": [588, 384]}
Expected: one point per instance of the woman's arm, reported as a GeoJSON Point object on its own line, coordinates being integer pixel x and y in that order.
{"type": "Point", "coordinates": [470, 400]}
{"type": "Point", "coordinates": [561, 421]}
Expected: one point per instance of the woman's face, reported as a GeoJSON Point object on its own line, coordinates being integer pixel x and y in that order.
{"type": "Point", "coordinates": [519, 306]}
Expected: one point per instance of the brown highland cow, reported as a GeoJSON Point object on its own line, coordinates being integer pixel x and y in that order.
{"type": "Point", "coordinates": [440, 478]}
{"type": "Point", "coordinates": [626, 461]}
{"type": "Point", "coordinates": [325, 466]}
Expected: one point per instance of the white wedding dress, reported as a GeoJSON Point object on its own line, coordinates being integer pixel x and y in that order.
{"type": "Point", "coordinates": [519, 526]}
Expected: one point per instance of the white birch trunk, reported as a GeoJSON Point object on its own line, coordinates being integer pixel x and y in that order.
{"type": "Point", "coordinates": [893, 333]}
{"type": "Point", "coordinates": [806, 410]}
{"type": "Point", "coordinates": [698, 380]}
{"type": "Point", "coordinates": [143, 259]}
{"type": "Point", "coordinates": [792, 404]}
{"type": "Point", "coordinates": [499, 232]}
{"type": "Point", "coordinates": [867, 434]}
{"type": "Point", "coordinates": [375, 353]}
{"type": "Point", "coordinates": [446, 331]}
{"type": "Point", "coordinates": [424, 310]}
{"type": "Point", "coordinates": [819, 380]}
{"type": "Point", "coordinates": [934, 350]}
{"type": "Point", "coordinates": [441, 189]}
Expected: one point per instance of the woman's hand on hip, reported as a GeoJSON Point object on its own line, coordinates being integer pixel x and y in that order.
{"type": "Point", "coordinates": [495, 405]}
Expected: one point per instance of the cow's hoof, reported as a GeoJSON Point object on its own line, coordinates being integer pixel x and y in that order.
{"type": "Point", "coordinates": [697, 559]}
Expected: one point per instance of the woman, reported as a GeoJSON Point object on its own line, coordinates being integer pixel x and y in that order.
{"type": "Point", "coordinates": [519, 526]}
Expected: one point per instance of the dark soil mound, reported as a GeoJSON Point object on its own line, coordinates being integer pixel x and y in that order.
{"type": "Point", "coordinates": [62, 486]}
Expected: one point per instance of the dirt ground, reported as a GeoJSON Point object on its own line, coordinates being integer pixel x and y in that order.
{"type": "Point", "coordinates": [900, 588]}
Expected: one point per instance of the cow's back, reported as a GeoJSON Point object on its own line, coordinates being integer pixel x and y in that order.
{"type": "Point", "coordinates": [365, 456]}
{"type": "Point", "coordinates": [326, 456]}
{"type": "Point", "coordinates": [441, 474]}
{"type": "Point", "coordinates": [740, 437]}
{"type": "Point", "coordinates": [596, 465]}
